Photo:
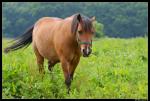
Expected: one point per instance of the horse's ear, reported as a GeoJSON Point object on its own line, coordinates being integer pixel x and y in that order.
{"type": "Point", "coordinates": [93, 19]}
{"type": "Point", "coordinates": [79, 18]}
{"type": "Point", "coordinates": [76, 20]}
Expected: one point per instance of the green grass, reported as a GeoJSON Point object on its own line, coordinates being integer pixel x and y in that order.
{"type": "Point", "coordinates": [117, 68]}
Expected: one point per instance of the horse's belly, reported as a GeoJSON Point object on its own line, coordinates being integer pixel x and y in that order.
{"type": "Point", "coordinates": [49, 53]}
{"type": "Point", "coordinates": [46, 49]}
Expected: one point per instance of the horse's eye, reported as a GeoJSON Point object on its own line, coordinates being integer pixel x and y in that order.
{"type": "Point", "coordinates": [80, 32]}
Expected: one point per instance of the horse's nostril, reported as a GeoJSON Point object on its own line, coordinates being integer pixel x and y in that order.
{"type": "Point", "coordinates": [84, 50]}
{"type": "Point", "coordinates": [90, 50]}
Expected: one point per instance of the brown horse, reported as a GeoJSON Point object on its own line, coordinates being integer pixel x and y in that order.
{"type": "Point", "coordinates": [59, 40]}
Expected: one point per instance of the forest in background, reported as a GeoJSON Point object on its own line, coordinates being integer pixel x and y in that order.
{"type": "Point", "coordinates": [124, 20]}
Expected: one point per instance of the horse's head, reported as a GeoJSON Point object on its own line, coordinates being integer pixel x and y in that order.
{"type": "Point", "coordinates": [83, 29]}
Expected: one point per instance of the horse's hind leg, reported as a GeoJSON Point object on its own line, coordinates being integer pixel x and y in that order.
{"type": "Point", "coordinates": [40, 60]}
{"type": "Point", "coordinates": [51, 64]}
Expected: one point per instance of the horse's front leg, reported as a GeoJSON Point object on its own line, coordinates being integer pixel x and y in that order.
{"type": "Point", "coordinates": [73, 67]}
{"type": "Point", "coordinates": [65, 66]}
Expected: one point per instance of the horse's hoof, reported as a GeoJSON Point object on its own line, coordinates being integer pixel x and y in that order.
{"type": "Point", "coordinates": [68, 92]}
{"type": "Point", "coordinates": [50, 69]}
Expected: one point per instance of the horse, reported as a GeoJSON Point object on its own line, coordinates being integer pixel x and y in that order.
{"type": "Point", "coordinates": [59, 41]}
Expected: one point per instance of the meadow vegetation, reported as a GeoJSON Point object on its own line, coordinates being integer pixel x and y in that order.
{"type": "Point", "coordinates": [117, 68]}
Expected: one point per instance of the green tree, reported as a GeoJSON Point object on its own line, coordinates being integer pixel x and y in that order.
{"type": "Point", "coordinates": [98, 29]}
{"type": "Point", "coordinates": [128, 19]}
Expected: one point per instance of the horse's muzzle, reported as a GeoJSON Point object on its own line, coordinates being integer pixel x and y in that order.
{"type": "Point", "coordinates": [86, 52]}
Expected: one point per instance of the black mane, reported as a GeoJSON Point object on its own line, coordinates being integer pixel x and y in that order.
{"type": "Point", "coordinates": [86, 23]}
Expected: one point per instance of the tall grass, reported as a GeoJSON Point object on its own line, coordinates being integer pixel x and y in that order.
{"type": "Point", "coordinates": [117, 68]}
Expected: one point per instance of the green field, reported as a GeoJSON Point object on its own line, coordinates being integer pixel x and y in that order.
{"type": "Point", "coordinates": [117, 68]}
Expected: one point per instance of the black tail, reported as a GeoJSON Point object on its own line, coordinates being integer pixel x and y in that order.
{"type": "Point", "coordinates": [21, 41]}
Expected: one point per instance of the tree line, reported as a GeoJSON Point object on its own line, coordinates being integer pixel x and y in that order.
{"type": "Point", "coordinates": [113, 19]}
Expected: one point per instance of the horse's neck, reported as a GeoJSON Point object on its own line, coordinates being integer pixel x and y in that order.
{"type": "Point", "coordinates": [71, 37]}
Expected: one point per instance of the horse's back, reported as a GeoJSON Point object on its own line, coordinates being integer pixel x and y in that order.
{"type": "Point", "coordinates": [49, 19]}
